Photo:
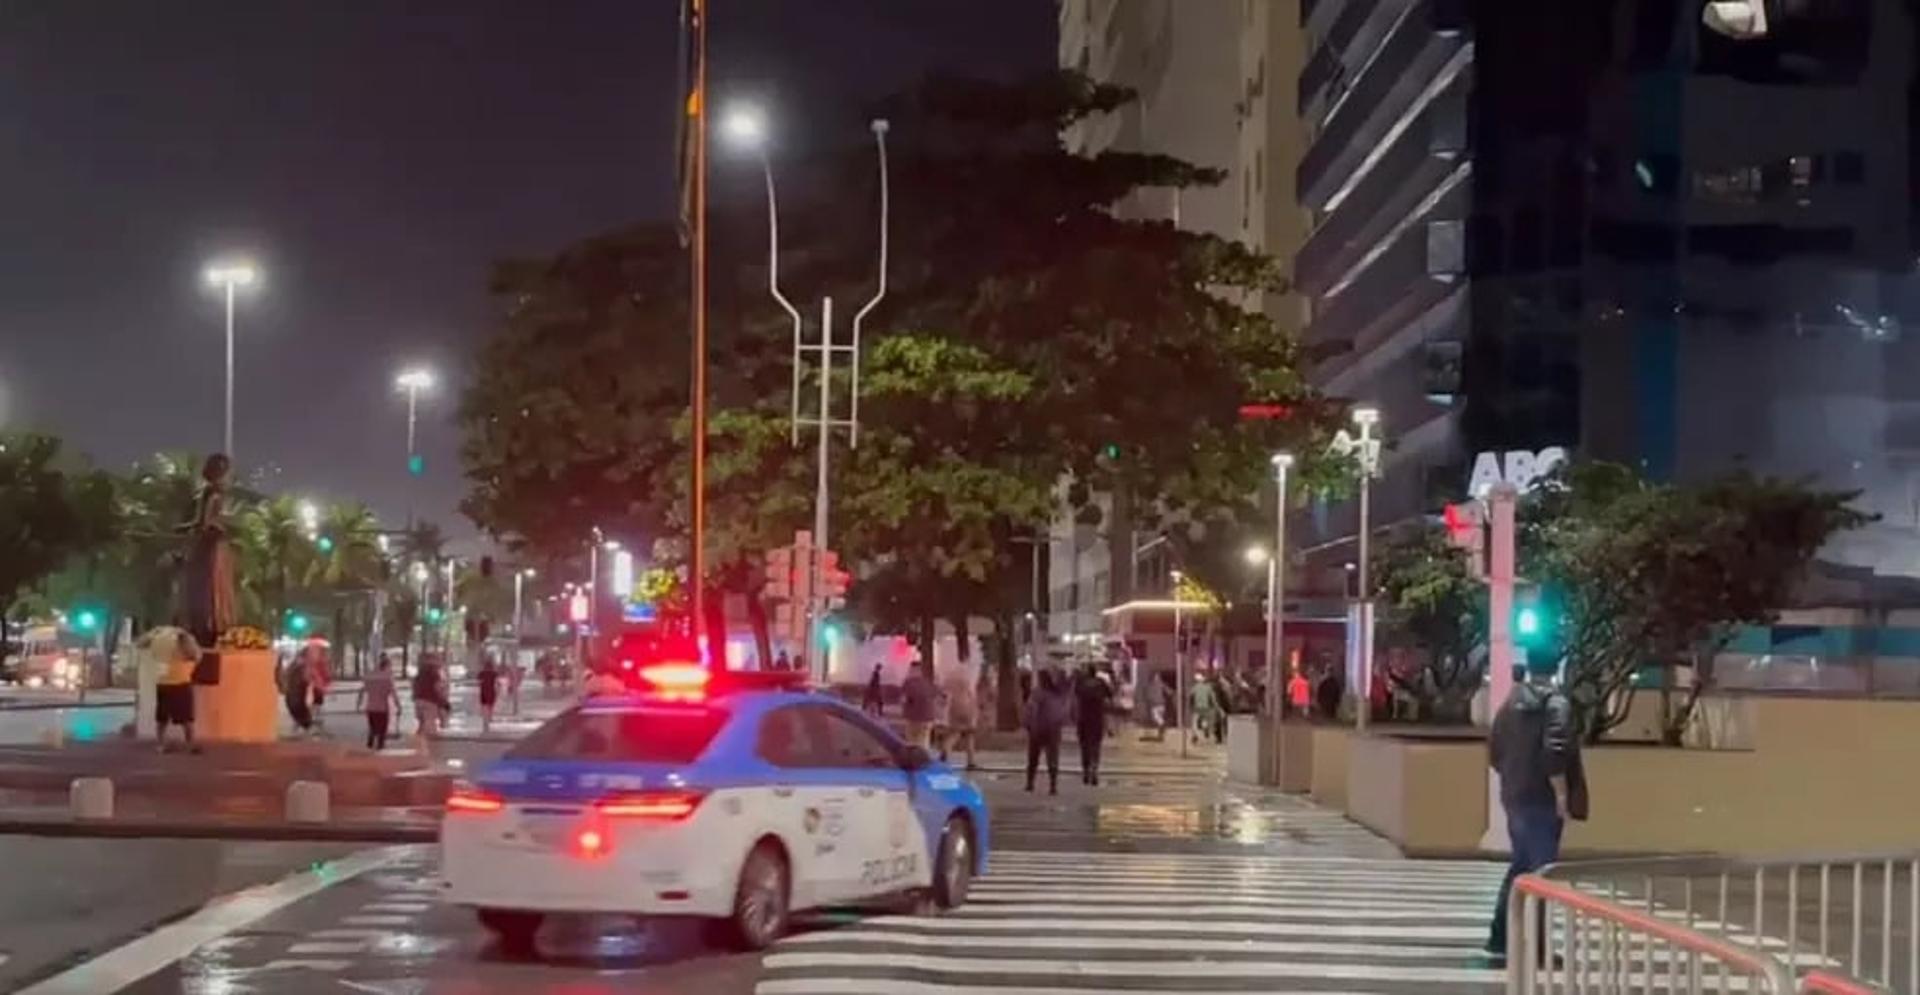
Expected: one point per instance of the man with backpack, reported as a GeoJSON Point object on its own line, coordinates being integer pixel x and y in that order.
{"type": "Point", "coordinates": [1534, 746]}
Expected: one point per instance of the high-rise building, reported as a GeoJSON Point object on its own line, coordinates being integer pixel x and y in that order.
{"type": "Point", "coordinates": [1215, 80]}
{"type": "Point", "coordinates": [1609, 227]}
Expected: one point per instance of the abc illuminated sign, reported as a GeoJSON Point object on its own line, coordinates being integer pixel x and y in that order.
{"type": "Point", "coordinates": [1520, 468]}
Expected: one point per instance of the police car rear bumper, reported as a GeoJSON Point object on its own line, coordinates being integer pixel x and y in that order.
{"type": "Point", "coordinates": [646, 871]}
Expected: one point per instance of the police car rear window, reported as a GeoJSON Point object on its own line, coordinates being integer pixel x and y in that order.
{"type": "Point", "coordinates": [658, 736]}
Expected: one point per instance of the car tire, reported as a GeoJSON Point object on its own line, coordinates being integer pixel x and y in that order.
{"type": "Point", "coordinates": [953, 866]}
{"type": "Point", "coordinates": [515, 930]}
{"type": "Point", "coordinates": [760, 911]}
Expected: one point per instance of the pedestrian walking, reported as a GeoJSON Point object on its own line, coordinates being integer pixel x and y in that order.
{"type": "Point", "coordinates": [296, 687]}
{"type": "Point", "coordinates": [489, 681]}
{"type": "Point", "coordinates": [871, 703]}
{"type": "Point", "coordinates": [1205, 702]}
{"type": "Point", "coordinates": [1091, 697]}
{"type": "Point", "coordinates": [917, 706]}
{"type": "Point", "coordinates": [378, 700]}
{"type": "Point", "coordinates": [1153, 698]}
{"type": "Point", "coordinates": [1332, 689]}
{"type": "Point", "coordinates": [1048, 709]}
{"type": "Point", "coordinates": [516, 676]}
{"type": "Point", "coordinates": [319, 679]}
{"type": "Point", "coordinates": [429, 699]}
{"type": "Point", "coordinates": [1534, 746]}
{"type": "Point", "coordinates": [963, 714]}
{"type": "Point", "coordinates": [1299, 692]}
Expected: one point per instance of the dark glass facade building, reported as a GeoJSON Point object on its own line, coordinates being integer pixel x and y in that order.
{"type": "Point", "coordinates": [1600, 225]}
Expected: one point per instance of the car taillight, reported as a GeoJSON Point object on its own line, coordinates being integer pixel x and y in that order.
{"type": "Point", "coordinates": [471, 799]}
{"type": "Point", "coordinates": [590, 843]}
{"type": "Point", "coordinates": [663, 805]}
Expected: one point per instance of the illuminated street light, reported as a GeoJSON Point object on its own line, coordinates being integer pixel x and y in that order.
{"type": "Point", "coordinates": [230, 276]}
{"type": "Point", "coordinates": [1256, 556]}
{"type": "Point", "coordinates": [413, 381]}
{"type": "Point", "coordinates": [745, 126]}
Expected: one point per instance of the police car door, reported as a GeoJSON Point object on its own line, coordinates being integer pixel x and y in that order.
{"type": "Point", "coordinates": [809, 803]}
{"type": "Point", "coordinates": [892, 844]}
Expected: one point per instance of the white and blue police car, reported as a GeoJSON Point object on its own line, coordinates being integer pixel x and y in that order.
{"type": "Point", "coordinates": [713, 795]}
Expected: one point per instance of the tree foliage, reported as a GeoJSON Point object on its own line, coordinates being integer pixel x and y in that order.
{"type": "Point", "coordinates": [1650, 574]}
{"type": "Point", "coordinates": [50, 511]}
{"type": "Point", "coordinates": [1434, 607]}
{"type": "Point", "coordinates": [1029, 334]}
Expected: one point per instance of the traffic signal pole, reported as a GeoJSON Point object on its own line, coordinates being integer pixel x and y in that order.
{"type": "Point", "coordinates": [1500, 649]}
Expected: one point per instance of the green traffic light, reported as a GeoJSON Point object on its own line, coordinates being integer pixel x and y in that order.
{"type": "Point", "coordinates": [1527, 623]}
{"type": "Point", "coordinates": [86, 620]}
{"type": "Point", "coordinates": [325, 543]}
{"type": "Point", "coordinates": [297, 622]}
{"type": "Point", "coordinates": [434, 615]}
{"type": "Point", "coordinates": [416, 464]}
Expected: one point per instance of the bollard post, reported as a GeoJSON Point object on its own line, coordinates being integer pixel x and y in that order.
{"type": "Point", "coordinates": [308, 801]}
{"type": "Point", "coordinates": [91, 798]}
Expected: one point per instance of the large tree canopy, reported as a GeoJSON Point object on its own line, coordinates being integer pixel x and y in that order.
{"type": "Point", "coordinates": [1030, 333]}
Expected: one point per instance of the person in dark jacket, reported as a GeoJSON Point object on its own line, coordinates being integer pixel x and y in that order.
{"type": "Point", "coordinates": [1534, 746]}
{"type": "Point", "coordinates": [872, 703]}
{"type": "Point", "coordinates": [1091, 697]}
{"type": "Point", "coordinates": [1048, 708]}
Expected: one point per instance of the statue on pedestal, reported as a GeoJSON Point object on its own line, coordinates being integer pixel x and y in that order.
{"type": "Point", "coordinates": [206, 588]}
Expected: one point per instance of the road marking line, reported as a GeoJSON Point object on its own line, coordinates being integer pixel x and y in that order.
{"type": "Point", "coordinates": [1068, 943]}
{"type": "Point", "coordinates": [888, 986]}
{"type": "Point", "coordinates": [414, 907]}
{"type": "Point", "coordinates": [128, 963]}
{"type": "Point", "coordinates": [329, 947]}
{"type": "Point", "coordinates": [376, 920]}
{"type": "Point", "coordinates": [1159, 926]}
{"type": "Point", "coordinates": [1183, 968]}
{"type": "Point", "coordinates": [1223, 910]}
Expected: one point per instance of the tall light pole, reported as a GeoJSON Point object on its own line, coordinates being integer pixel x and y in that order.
{"type": "Point", "coordinates": [1180, 666]}
{"type": "Point", "coordinates": [1365, 450]}
{"type": "Point", "coordinates": [519, 580]}
{"type": "Point", "coordinates": [229, 277]}
{"type": "Point", "coordinates": [1276, 590]}
{"type": "Point", "coordinates": [746, 127]}
{"type": "Point", "coordinates": [413, 381]}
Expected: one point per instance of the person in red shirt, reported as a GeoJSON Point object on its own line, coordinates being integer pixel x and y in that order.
{"type": "Point", "coordinates": [1299, 692]}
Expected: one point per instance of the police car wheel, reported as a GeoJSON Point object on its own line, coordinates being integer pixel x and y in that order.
{"type": "Point", "coordinates": [760, 899]}
{"type": "Point", "coordinates": [515, 930]}
{"type": "Point", "coordinates": [953, 868]}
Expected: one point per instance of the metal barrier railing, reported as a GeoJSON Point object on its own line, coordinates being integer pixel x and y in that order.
{"type": "Point", "coordinates": [1827, 983]}
{"type": "Point", "coordinates": [1562, 939]}
{"type": "Point", "coordinates": [1849, 920]}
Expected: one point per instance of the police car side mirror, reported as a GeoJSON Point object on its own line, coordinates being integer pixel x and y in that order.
{"type": "Point", "coordinates": [916, 758]}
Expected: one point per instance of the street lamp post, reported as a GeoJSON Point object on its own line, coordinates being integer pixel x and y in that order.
{"type": "Point", "coordinates": [746, 127]}
{"type": "Point", "coordinates": [1366, 449]}
{"type": "Point", "coordinates": [229, 277]}
{"type": "Point", "coordinates": [1276, 590]}
{"type": "Point", "coordinates": [519, 580]}
{"type": "Point", "coordinates": [413, 382]}
{"type": "Point", "coordinates": [1179, 666]}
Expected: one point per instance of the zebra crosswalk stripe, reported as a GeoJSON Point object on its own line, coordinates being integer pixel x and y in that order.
{"type": "Point", "coordinates": [1045, 923]}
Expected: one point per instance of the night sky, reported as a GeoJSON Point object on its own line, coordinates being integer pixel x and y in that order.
{"type": "Point", "coordinates": [373, 158]}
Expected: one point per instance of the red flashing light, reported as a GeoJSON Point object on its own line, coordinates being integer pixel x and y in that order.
{"type": "Point", "coordinates": [590, 843]}
{"type": "Point", "coordinates": [626, 665]}
{"type": "Point", "coordinates": [473, 800]}
{"type": "Point", "coordinates": [1265, 412]}
{"type": "Point", "coordinates": [686, 681]}
{"type": "Point", "coordinates": [664, 805]}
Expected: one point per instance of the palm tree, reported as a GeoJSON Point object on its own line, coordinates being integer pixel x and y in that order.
{"type": "Point", "coordinates": [274, 555]}
{"type": "Point", "coordinates": [354, 561]}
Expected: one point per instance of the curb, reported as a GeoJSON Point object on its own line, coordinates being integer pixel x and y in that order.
{"type": "Point", "coordinates": [48, 706]}
{"type": "Point", "coordinates": [284, 832]}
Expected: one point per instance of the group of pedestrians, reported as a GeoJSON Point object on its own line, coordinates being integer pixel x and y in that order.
{"type": "Point", "coordinates": [306, 679]}
{"type": "Point", "coordinates": [1058, 699]}
{"type": "Point", "coordinates": [943, 716]}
